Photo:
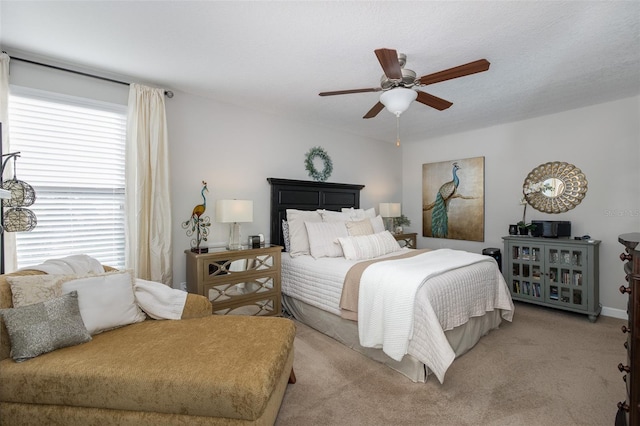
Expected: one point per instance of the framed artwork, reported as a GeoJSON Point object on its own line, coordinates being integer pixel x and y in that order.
{"type": "Point", "coordinates": [453, 199]}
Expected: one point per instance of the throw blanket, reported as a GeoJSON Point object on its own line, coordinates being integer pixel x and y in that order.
{"type": "Point", "coordinates": [79, 264]}
{"type": "Point", "coordinates": [351, 288]}
{"type": "Point", "coordinates": [386, 304]}
{"type": "Point", "coordinates": [158, 300]}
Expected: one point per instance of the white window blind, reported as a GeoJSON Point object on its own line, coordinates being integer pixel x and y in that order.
{"type": "Point", "coordinates": [73, 155]}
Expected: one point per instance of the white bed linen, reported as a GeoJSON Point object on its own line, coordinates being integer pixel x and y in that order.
{"type": "Point", "coordinates": [318, 282]}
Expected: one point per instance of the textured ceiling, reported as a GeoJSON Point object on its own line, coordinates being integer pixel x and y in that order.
{"type": "Point", "coordinates": [546, 56]}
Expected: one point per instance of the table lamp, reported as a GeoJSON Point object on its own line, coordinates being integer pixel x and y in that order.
{"type": "Point", "coordinates": [234, 212]}
{"type": "Point", "coordinates": [388, 211]}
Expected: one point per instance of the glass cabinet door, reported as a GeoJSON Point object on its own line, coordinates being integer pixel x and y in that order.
{"type": "Point", "coordinates": [565, 269]}
{"type": "Point", "coordinates": [527, 267]}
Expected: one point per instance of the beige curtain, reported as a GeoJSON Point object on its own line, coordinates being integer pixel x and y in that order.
{"type": "Point", "coordinates": [148, 204]}
{"type": "Point", "coordinates": [10, 258]}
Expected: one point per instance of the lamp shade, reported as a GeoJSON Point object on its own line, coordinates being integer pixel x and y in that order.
{"type": "Point", "coordinates": [398, 100]}
{"type": "Point", "coordinates": [390, 209]}
{"type": "Point", "coordinates": [229, 211]}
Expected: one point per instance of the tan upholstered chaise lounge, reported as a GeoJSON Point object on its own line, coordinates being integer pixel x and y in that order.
{"type": "Point", "coordinates": [200, 370]}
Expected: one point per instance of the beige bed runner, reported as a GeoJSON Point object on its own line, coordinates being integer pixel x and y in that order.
{"type": "Point", "coordinates": [351, 287]}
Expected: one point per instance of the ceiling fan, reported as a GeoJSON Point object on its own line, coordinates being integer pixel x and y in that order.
{"type": "Point", "coordinates": [398, 83]}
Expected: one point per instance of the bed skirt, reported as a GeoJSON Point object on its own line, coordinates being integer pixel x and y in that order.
{"type": "Point", "coordinates": [461, 338]}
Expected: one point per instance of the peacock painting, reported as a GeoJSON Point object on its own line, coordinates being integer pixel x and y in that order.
{"type": "Point", "coordinates": [453, 199]}
{"type": "Point", "coordinates": [198, 224]}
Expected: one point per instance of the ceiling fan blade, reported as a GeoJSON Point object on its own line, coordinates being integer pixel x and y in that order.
{"type": "Point", "coordinates": [432, 101]}
{"type": "Point", "coordinates": [455, 72]}
{"type": "Point", "coordinates": [388, 59]}
{"type": "Point", "coordinates": [374, 111]}
{"type": "Point", "coordinates": [346, 92]}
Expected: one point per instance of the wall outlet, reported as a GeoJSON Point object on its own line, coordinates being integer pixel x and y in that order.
{"type": "Point", "coordinates": [183, 286]}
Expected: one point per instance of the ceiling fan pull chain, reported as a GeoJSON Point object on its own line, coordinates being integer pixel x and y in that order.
{"type": "Point", "coordinates": [397, 129]}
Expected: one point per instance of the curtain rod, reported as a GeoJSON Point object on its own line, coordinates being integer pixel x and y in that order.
{"type": "Point", "coordinates": [168, 93]}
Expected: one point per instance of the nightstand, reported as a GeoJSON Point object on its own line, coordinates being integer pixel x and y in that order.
{"type": "Point", "coordinates": [237, 282]}
{"type": "Point", "coordinates": [407, 240]}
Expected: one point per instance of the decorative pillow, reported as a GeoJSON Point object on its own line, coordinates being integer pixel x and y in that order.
{"type": "Point", "coordinates": [378, 224]}
{"type": "Point", "coordinates": [359, 227]}
{"type": "Point", "coordinates": [106, 301]}
{"type": "Point", "coordinates": [359, 214]}
{"type": "Point", "coordinates": [44, 327]}
{"type": "Point", "coordinates": [323, 238]}
{"type": "Point", "coordinates": [298, 239]}
{"type": "Point", "coordinates": [331, 216]}
{"type": "Point", "coordinates": [368, 246]}
{"type": "Point", "coordinates": [30, 289]}
{"type": "Point", "coordinates": [285, 235]}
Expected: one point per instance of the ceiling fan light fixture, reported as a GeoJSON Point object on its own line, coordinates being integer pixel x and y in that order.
{"type": "Point", "coordinates": [398, 100]}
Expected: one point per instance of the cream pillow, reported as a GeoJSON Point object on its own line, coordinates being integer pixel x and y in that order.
{"type": "Point", "coordinates": [323, 238]}
{"type": "Point", "coordinates": [29, 289]}
{"type": "Point", "coordinates": [359, 227]}
{"type": "Point", "coordinates": [298, 238]}
{"type": "Point", "coordinates": [106, 301]}
{"type": "Point", "coordinates": [369, 246]}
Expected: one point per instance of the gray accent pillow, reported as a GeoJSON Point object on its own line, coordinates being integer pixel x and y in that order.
{"type": "Point", "coordinates": [285, 235]}
{"type": "Point", "coordinates": [44, 327]}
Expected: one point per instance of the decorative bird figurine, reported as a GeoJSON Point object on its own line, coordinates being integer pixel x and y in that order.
{"type": "Point", "coordinates": [200, 208]}
{"type": "Point", "coordinates": [440, 212]}
{"type": "Point", "coordinates": [198, 224]}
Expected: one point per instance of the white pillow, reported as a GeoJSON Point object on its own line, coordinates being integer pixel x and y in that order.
{"type": "Point", "coordinates": [298, 239]}
{"type": "Point", "coordinates": [368, 246]}
{"type": "Point", "coordinates": [359, 227]}
{"type": "Point", "coordinates": [331, 216]}
{"type": "Point", "coordinates": [378, 224]}
{"type": "Point", "coordinates": [358, 214]}
{"type": "Point", "coordinates": [106, 301]}
{"type": "Point", "coordinates": [323, 238]}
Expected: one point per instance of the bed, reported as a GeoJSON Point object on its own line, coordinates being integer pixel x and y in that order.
{"type": "Point", "coordinates": [465, 302]}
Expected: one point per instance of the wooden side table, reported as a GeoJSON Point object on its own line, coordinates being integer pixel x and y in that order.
{"type": "Point", "coordinates": [237, 282]}
{"type": "Point", "coordinates": [407, 240]}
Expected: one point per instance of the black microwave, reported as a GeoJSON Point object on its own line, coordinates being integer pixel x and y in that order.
{"type": "Point", "coordinates": [551, 228]}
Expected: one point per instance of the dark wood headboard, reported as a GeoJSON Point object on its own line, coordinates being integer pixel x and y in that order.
{"type": "Point", "coordinates": [307, 195]}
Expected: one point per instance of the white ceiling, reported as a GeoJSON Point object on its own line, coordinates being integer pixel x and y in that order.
{"type": "Point", "coordinates": [546, 56]}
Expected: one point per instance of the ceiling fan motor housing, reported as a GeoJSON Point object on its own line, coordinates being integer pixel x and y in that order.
{"type": "Point", "coordinates": [408, 80]}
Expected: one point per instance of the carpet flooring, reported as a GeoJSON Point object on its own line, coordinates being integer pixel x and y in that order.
{"type": "Point", "coordinates": [547, 367]}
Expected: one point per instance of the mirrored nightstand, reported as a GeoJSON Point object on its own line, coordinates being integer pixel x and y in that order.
{"type": "Point", "coordinates": [407, 240]}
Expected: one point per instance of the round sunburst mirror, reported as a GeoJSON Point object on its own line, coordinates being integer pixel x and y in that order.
{"type": "Point", "coordinates": [555, 187]}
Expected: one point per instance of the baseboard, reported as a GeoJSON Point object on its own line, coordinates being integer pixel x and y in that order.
{"type": "Point", "coordinates": [614, 313]}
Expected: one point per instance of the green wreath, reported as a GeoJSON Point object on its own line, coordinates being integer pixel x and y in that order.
{"type": "Point", "coordinates": [328, 165]}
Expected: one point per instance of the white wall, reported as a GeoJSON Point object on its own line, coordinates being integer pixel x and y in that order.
{"type": "Point", "coordinates": [236, 149]}
{"type": "Point", "coordinates": [603, 140]}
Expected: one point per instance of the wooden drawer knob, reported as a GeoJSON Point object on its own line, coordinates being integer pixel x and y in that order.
{"type": "Point", "coordinates": [625, 256]}
{"type": "Point", "coordinates": [625, 329]}
{"type": "Point", "coordinates": [624, 368]}
{"type": "Point", "coordinates": [624, 289]}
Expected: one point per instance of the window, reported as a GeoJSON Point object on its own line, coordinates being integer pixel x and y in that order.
{"type": "Point", "coordinates": [73, 155]}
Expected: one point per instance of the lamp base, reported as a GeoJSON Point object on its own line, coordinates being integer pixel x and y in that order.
{"type": "Point", "coordinates": [388, 224]}
{"type": "Point", "coordinates": [234, 237]}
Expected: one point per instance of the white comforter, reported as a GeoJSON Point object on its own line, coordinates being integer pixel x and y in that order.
{"type": "Point", "coordinates": [387, 299]}
{"type": "Point", "coordinates": [476, 290]}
